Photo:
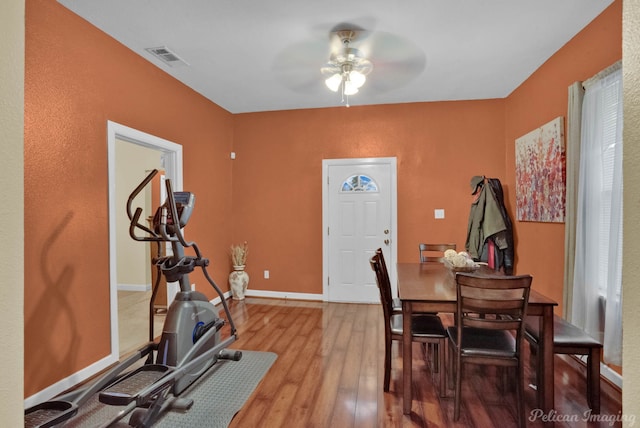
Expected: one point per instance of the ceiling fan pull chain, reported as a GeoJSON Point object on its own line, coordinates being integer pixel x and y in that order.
{"type": "Point", "coordinates": [345, 101]}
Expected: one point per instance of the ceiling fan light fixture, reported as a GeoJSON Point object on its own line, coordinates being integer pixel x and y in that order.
{"type": "Point", "coordinates": [357, 79]}
{"type": "Point", "coordinates": [334, 82]}
{"type": "Point", "coordinates": [347, 68]}
{"type": "Point", "coordinates": [350, 88]}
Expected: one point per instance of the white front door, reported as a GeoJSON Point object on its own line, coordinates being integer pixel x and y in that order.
{"type": "Point", "coordinates": [359, 217]}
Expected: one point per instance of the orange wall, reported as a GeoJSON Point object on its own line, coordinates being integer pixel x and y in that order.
{"type": "Point", "coordinates": [543, 97]}
{"type": "Point", "coordinates": [277, 200]}
{"type": "Point", "coordinates": [277, 177]}
{"type": "Point", "coordinates": [76, 79]}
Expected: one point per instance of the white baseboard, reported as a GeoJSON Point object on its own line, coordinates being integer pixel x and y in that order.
{"type": "Point", "coordinates": [605, 371]}
{"type": "Point", "coordinates": [283, 295]}
{"type": "Point", "coordinates": [91, 370]}
{"type": "Point", "coordinates": [274, 295]}
{"type": "Point", "coordinates": [69, 382]}
{"type": "Point", "coordinates": [611, 375]}
{"type": "Point", "coordinates": [134, 287]}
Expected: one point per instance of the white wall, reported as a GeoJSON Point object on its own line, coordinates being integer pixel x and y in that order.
{"type": "Point", "coordinates": [133, 161]}
{"type": "Point", "coordinates": [12, 30]}
{"type": "Point", "coordinates": [631, 266]}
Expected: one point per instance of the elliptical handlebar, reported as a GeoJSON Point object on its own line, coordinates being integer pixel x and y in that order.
{"type": "Point", "coordinates": [176, 220]}
{"type": "Point", "coordinates": [137, 190]}
{"type": "Point", "coordinates": [166, 231]}
{"type": "Point", "coordinates": [134, 219]}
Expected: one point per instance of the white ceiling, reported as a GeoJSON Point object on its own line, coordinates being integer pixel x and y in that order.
{"type": "Point", "coordinates": [258, 55]}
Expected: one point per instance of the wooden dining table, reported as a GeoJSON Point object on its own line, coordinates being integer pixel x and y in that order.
{"type": "Point", "coordinates": [430, 287]}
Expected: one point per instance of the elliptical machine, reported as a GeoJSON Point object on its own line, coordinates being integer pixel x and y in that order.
{"type": "Point", "coordinates": [190, 342]}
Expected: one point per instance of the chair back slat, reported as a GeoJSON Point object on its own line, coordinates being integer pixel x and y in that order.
{"type": "Point", "coordinates": [491, 306]}
{"type": "Point", "coordinates": [491, 324]}
{"type": "Point", "coordinates": [428, 252]}
{"type": "Point", "coordinates": [383, 263]}
{"type": "Point", "coordinates": [383, 283]}
{"type": "Point", "coordinates": [492, 302]}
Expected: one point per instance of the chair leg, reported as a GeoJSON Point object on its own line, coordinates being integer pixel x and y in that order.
{"type": "Point", "coordinates": [387, 364]}
{"type": "Point", "coordinates": [520, 394]}
{"type": "Point", "coordinates": [450, 368]}
{"type": "Point", "coordinates": [537, 364]}
{"type": "Point", "coordinates": [456, 405]}
{"type": "Point", "coordinates": [533, 363]}
{"type": "Point", "coordinates": [442, 359]}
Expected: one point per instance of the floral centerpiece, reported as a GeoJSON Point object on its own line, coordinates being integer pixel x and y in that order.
{"type": "Point", "coordinates": [459, 262]}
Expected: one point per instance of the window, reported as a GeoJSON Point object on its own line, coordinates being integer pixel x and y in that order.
{"type": "Point", "coordinates": [359, 183]}
{"type": "Point", "coordinates": [597, 285]}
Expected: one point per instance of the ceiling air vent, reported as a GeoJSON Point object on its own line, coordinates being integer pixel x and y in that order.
{"type": "Point", "coordinates": [167, 56]}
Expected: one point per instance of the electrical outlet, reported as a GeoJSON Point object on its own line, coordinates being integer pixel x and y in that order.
{"type": "Point", "coordinates": [266, 274]}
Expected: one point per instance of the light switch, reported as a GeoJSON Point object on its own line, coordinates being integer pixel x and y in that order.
{"type": "Point", "coordinates": [439, 213]}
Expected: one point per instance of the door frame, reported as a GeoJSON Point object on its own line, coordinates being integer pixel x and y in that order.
{"type": "Point", "coordinates": [393, 195]}
{"type": "Point", "coordinates": [172, 157]}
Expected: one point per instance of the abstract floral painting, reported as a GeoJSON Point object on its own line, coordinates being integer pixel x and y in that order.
{"type": "Point", "coordinates": [540, 174]}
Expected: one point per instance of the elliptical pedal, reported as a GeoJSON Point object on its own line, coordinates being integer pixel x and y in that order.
{"type": "Point", "coordinates": [126, 389]}
{"type": "Point", "coordinates": [49, 413]}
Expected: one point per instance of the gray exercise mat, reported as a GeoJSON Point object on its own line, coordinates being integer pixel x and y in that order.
{"type": "Point", "coordinates": [221, 392]}
{"type": "Point", "coordinates": [218, 395]}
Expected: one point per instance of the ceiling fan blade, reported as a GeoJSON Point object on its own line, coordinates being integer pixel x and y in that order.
{"type": "Point", "coordinates": [396, 61]}
{"type": "Point", "coordinates": [389, 76]}
{"type": "Point", "coordinates": [298, 67]}
{"type": "Point", "coordinates": [387, 47]}
{"type": "Point", "coordinates": [330, 69]}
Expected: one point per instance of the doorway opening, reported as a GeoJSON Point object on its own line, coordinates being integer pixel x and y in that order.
{"type": "Point", "coordinates": [156, 153]}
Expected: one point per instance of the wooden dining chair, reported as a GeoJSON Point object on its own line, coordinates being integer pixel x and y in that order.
{"type": "Point", "coordinates": [395, 301]}
{"type": "Point", "coordinates": [489, 328]}
{"type": "Point", "coordinates": [430, 350]}
{"type": "Point", "coordinates": [425, 328]}
{"type": "Point", "coordinates": [434, 252]}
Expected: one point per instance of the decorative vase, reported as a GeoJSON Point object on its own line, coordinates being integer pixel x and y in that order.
{"type": "Point", "coordinates": [238, 281]}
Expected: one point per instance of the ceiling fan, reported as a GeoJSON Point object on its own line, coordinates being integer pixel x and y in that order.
{"type": "Point", "coordinates": [347, 68]}
{"type": "Point", "coordinates": [352, 57]}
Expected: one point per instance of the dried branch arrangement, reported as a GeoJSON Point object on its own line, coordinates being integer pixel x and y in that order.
{"type": "Point", "coordinates": [239, 254]}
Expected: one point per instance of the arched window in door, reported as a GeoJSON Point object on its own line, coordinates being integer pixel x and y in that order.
{"type": "Point", "coordinates": [359, 183]}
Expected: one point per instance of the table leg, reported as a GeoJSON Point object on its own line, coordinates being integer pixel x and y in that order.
{"type": "Point", "coordinates": [545, 384]}
{"type": "Point", "coordinates": [407, 398]}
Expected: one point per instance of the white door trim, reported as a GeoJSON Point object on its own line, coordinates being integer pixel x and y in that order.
{"type": "Point", "coordinates": [172, 157]}
{"type": "Point", "coordinates": [391, 262]}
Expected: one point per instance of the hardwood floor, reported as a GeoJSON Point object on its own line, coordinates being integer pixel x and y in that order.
{"type": "Point", "coordinates": [133, 316]}
{"type": "Point", "coordinates": [329, 373]}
